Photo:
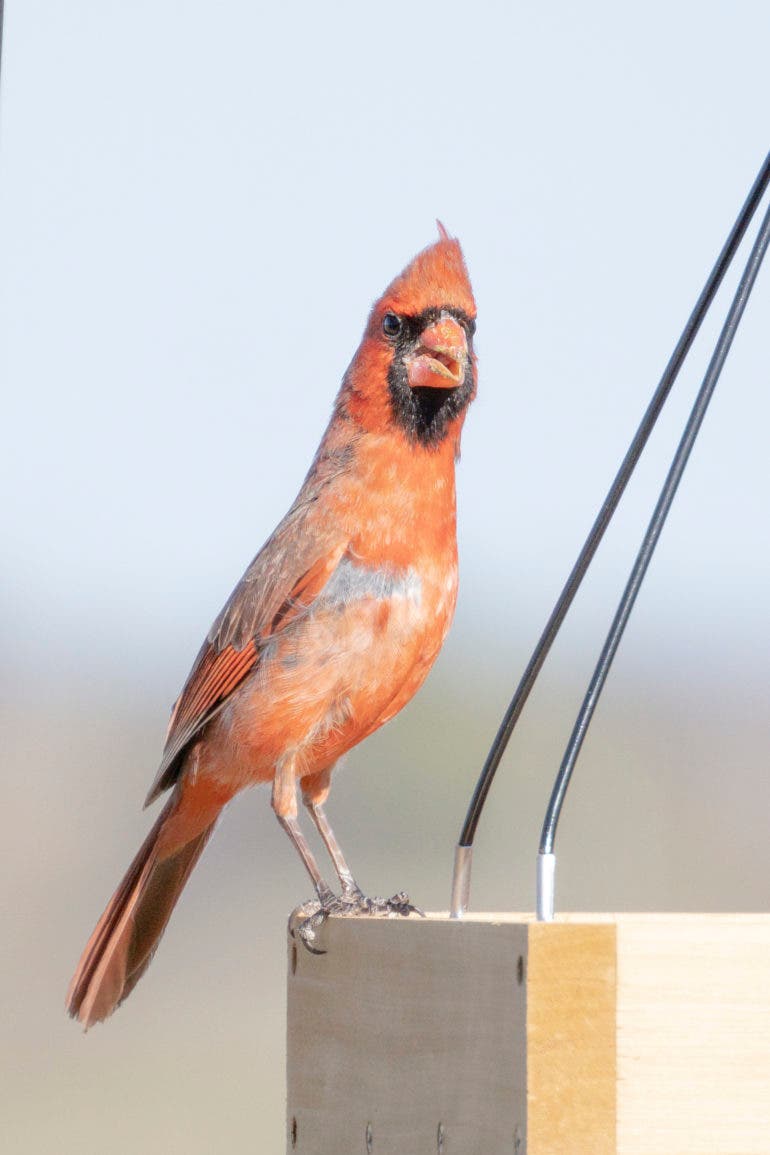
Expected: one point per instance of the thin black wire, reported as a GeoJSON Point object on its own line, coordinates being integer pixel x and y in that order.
{"type": "Point", "coordinates": [652, 535]}
{"type": "Point", "coordinates": [614, 495]}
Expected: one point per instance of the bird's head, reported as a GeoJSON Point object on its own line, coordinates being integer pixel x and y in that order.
{"type": "Point", "coordinates": [415, 368]}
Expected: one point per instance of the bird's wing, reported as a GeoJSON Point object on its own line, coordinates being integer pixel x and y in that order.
{"type": "Point", "coordinates": [284, 578]}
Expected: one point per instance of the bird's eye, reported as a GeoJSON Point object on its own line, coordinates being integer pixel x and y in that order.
{"type": "Point", "coordinates": [472, 326]}
{"type": "Point", "coordinates": [391, 325]}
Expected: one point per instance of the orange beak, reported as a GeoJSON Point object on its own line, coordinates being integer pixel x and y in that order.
{"type": "Point", "coordinates": [440, 359]}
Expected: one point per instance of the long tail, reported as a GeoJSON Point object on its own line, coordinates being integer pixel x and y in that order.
{"type": "Point", "coordinates": [126, 936]}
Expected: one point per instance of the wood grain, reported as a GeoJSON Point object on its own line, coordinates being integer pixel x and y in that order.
{"type": "Point", "coordinates": [641, 1034]}
{"type": "Point", "coordinates": [403, 1026]}
{"type": "Point", "coordinates": [483, 1027]}
{"type": "Point", "coordinates": [571, 1069]}
{"type": "Point", "coordinates": [693, 1034]}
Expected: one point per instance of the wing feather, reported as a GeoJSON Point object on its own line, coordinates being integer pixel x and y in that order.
{"type": "Point", "coordinates": [280, 584]}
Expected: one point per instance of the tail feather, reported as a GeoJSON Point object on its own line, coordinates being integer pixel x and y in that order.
{"type": "Point", "coordinates": [126, 936]}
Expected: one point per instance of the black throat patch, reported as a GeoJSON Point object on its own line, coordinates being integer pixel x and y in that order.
{"type": "Point", "coordinates": [424, 413]}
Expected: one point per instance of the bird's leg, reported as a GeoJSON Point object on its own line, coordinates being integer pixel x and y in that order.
{"type": "Point", "coordinates": [314, 793]}
{"type": "Point", "coordinates": [350, 888]}
{"type": "Point", "coordinates": [285, 808]}
{"type": "Point", "coordinates": [308, 918]}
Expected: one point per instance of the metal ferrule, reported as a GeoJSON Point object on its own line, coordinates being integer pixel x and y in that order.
{"type": "Point", "coordinates": [546, 886]}
{"type": "Point", "coordinates": [461, 881]}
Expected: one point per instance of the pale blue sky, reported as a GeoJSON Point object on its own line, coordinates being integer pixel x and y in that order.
{"type": "Point", "coordinates": [198, 204]}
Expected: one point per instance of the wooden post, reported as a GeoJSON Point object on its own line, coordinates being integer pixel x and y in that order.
{"type": "Point", "coordinates": [592, 1035]}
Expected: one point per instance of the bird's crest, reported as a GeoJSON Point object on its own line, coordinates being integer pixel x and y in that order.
{"type": "Point", "coordinates": [437, 276]}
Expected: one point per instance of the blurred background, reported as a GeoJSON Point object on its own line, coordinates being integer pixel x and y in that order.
{"type": "Point", "coordinates": [198, 204]}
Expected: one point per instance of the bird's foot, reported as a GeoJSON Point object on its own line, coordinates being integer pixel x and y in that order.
{"type": "Point", "coordinates": [385, 907]}
{"type": "Point", "coordinates": [311, 916]}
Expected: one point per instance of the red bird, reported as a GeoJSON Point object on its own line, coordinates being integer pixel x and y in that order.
{"type": "Point", "coordinates": [331, 630]}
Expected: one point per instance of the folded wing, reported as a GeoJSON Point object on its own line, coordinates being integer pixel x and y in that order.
{"type": "Point", "coordinates": [281, 583]}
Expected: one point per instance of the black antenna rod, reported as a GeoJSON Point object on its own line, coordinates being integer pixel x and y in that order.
{"type": "Point", "coordinates": [463, 853]}
{"type": "Point", "coordinates": [643, 558]}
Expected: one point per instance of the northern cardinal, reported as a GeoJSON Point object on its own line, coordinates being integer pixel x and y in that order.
{"type": "Point", "coordinates": [331, 630]}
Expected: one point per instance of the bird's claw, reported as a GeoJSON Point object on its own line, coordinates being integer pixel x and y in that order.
{"type": "Point", "coordinates": [310, 917]}
{"type": "Point", "coordinates": [307, 928]}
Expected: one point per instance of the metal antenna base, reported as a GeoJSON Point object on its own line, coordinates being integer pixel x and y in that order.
{"type": "Point", "coordinates": [546, 886]}
{"type": "Point", "coordinates": [461, 881]}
